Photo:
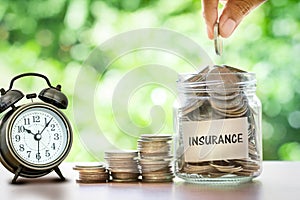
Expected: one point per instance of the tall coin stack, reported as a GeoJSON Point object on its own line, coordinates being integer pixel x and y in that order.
{"type": "Point", "coordinates": [123, 165]}
{"type": "Point", "coordinates": [155, 158]}
{"type": "Point", "coordinates": [92, 174]}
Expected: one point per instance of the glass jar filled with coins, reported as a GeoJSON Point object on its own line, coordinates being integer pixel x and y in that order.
{"type": "Point", "coordinates": [218, 126]}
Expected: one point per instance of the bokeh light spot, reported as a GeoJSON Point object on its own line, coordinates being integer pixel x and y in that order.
{"type": "Point", "coordinates": [294, 119]}
{"type": "Point", "coordinates": [158, 96]}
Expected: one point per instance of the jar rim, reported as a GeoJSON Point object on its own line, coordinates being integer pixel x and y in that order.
{"type": "Point", "coordinates": [213, 73]}
{"type": "Point", "coordinates": [240, 81]}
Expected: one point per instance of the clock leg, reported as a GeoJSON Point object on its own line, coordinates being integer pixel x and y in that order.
{"type": "Point", "coordinates": [57, 170]}
{"type": "Point", "coordinates": [17, 173]}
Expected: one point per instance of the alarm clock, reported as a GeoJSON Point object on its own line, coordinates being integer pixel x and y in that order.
{"type": "Point", "coordinates": [34, 137]}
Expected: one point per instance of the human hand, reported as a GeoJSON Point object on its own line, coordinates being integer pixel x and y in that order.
{"type": "Point", "coordinates": [233, 13]}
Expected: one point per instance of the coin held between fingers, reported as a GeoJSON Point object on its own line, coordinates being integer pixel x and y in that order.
{"type": "Point", "coordinates": [217, 40]}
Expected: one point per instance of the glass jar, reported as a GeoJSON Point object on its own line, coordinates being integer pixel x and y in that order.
{"type": "Point", "coordinates": [218, 127]}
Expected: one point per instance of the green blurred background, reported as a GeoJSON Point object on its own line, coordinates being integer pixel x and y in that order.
{"type": "Point", "coordinates": [54, 37]}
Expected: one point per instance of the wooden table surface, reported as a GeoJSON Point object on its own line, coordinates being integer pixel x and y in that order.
{"type": "Point", "coordinates": [279, 180]}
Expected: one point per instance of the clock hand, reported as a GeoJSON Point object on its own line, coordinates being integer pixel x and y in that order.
{"type": "Point", "coordinates": [47, 124]}
{"type": "Point", "coordinates": [38, 155]}
{"type": "Point", "coordinates": [28, 131]}
{"type": "Point", "coordinates": [38, 137]}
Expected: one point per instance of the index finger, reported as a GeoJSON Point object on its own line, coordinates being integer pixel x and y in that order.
{"type": "Point", "coordinates": [210, 14]}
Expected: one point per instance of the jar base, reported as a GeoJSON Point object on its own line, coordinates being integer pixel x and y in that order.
{"type": "Point", "coordinates": [224, 180]}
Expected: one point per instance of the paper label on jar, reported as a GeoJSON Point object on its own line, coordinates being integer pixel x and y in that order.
{"type": "Point", "coordinates": [215, 139]}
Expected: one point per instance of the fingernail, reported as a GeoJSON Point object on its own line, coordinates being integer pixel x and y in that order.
{"type": "Point", "coordinates": [209, 33]}
{"type": "Point", "coordinates": [227, 28]}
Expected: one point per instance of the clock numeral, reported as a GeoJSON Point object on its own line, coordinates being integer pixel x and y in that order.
{"type": "Point", "coordinates": [17, 138]}
{"type": "Point", "coordinates": [26, 121]}
{"type": "Point", "coordinates": [52, 127]}
{"type": "Point", "coordinates": [21, 147]}
{"type": "Point", "coordinates": [47, 153]}
{"type": "Point", "coordinates": [21, 129]}
{"type": "Point", "coordinates": [56, 136]}
{"type": "Point", "coordinates": [53, 146]}
{"type": "Point", "coordinates": [36, 118]}
{"type": "Point", "coordinates": [28, 154]}
{"type": "Point", "coordinates": [38, 156]}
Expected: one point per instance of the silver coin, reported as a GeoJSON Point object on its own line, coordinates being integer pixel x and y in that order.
{"type": "Point", "coordinates": [216, 174]}
{"type": "Point", "coordinates": [217, 40]}
{"type": "Point", "coordinates": [235, 103]}
{"type": "Point", "coordinates": [227, 169]}
{"type": "Point", "coordinates": [120, 169]}
{"type": "Point", "coordinates": [152, 155]}
{"type": "Point", "coordinates": [229, 115]}
{"type": "Point", "coordinates": [122, 162]}
{"type": "Point", "coordinates": [145, 144]}
{"type": "Point", "coordinates": [124, 175]}
{"type": "Point", "coordinates": [121, 154]}
{"type": "Point", "coordinates": [90, 168]}
{"type": "Point", "coordinates": [224, 97]}
{"type": "Point", "coordinates": [156, 137]}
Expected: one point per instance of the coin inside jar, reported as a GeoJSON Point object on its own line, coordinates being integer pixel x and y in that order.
{"type": "Point", "coordinates": [219, 94]}
{"type": "Point", "coordinates": [217, 40]}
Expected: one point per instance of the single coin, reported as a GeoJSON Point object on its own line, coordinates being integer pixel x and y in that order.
{"type": "Point", "coordinates": [158, 170]}
{"type": "Point", "coordinates": [158, 175]}
{"type": "Point", "coordinates": [125, 175]}
{"type": "Point", "coordinates": [192, 106]}
{"type": "Point", "coordinates": [235, 103]}
{"type": "Point", "coordinates": [97, 168]}
{"type": "Point", "coordinates": [243, 173]}
{"type": "Point", "coordinates": [216, 174]}
{"type": "Point", "coordinates": [217, 40]}
{"type": "Point", "coordinates": [156, 137]}
{"type": "Point", "coordinates": [198, 169]}
{"type": "Point", "coordinates": [125, 180]}
{"type": "Point", "coordinates": [94, 177]}
{"type": "Point", "coordinates": [90, 181]}
{"type": "Point", "coordinates": [157, 180]}
{"type": "Point", "coordinates": [124, 170]}
{"type": "Point", "coordinates": [121, 154]}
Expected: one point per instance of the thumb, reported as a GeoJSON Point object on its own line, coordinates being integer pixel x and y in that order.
{"type": "Point", "coordinates": [233, 14]}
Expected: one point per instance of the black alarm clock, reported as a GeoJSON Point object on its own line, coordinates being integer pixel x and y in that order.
{"type": "Point", "coordinates": [34, 137]}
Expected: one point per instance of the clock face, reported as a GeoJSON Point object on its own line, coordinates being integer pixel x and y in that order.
{"type": "Point", "coordinates": [39, 136]}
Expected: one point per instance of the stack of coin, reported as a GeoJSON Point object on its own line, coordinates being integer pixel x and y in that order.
{"type": "Point", "coordinates": [123, 165]}
{"type": "Point", "coordinates": [222, 97]}
{"type": "Point", "coordinates": [218, 168]}
{"type": "Point", "coordinates": [92, 173]}
{"type": "Point", "coordinates": [226, 97]}
{"type": "Point", "coordinates": [155, 158]}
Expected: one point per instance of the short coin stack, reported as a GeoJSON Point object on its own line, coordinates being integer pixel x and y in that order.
{"type": "Point", "coordinates": [123, 165]}
{"type": "Point", "coordinates": [155, 158]}
{"type": "Point", "coordinates": [92, 174]}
